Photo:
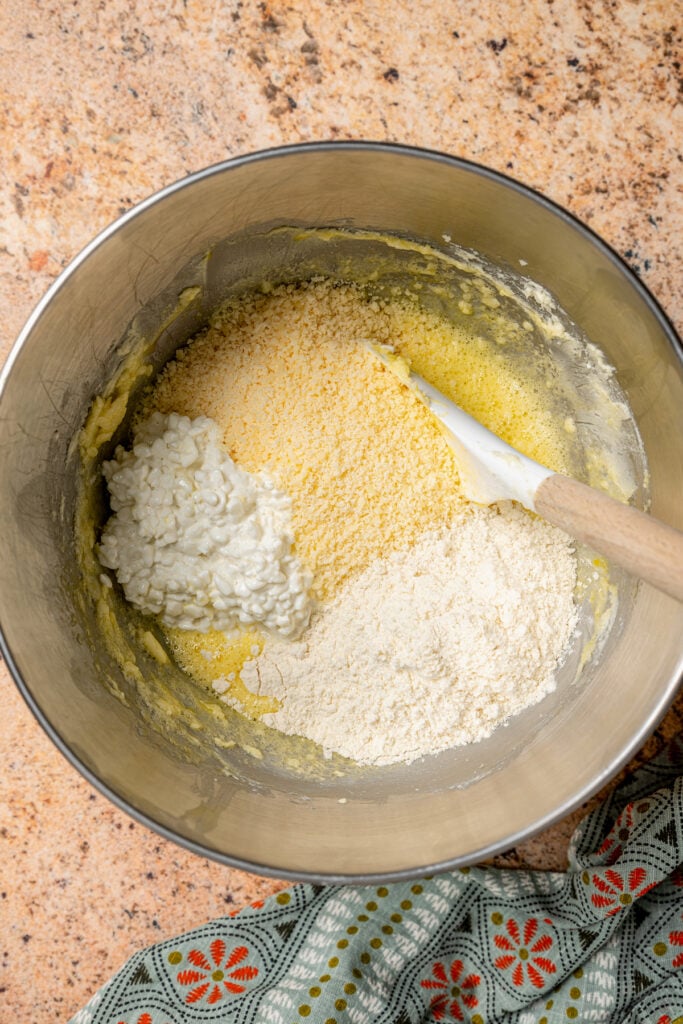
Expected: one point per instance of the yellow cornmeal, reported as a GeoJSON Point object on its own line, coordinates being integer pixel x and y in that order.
{"type": "Point", "coordinates": [367, 468]}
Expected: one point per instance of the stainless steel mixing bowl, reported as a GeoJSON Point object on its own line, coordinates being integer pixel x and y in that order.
{"type": "Point", "coordinates": [443, 813]}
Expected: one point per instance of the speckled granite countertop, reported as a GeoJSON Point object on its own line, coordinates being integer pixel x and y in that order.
{"type": "Point", "coordinates": [103, 104]}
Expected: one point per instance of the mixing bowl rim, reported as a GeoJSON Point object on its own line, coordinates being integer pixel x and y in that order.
{"type": "Point", "coordinates": [402, 150]}
{"type": "Point", "coordinates": [398, 149]}
{"type": "Point", "coordinates": [484, 853]}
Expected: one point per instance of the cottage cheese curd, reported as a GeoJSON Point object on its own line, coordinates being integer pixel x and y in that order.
{"type": "Point", "coordinates": [197, 540]}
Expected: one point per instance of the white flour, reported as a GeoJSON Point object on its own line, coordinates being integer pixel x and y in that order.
{"type": "Point", "coordinates": [430, 647]}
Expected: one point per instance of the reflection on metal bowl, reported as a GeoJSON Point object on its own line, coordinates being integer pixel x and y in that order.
{"type": "Point", "coordinates": [152, 280]}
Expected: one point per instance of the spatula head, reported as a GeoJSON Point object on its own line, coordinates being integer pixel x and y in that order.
{"type": "Point", "coordinates": [489, 469]}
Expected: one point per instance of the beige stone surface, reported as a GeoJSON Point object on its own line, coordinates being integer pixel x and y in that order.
{"type": "Point", "coordinates": [101, 104]}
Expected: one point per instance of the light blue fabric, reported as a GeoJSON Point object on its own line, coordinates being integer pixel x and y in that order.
{"type": "Point", "coordinates": [602, 942]}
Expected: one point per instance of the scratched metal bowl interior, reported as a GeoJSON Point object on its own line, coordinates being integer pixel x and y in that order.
{"type": "Point", "coordinates": [152, 280]}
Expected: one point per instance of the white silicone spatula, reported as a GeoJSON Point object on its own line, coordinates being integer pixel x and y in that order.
{"type": "Point", "coordinates": [491, 470]}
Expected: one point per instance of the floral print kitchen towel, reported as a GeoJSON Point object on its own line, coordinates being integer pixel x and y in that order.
{"type": "Point", "coordinates": [603, 942]}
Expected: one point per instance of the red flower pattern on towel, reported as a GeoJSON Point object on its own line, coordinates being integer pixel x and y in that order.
{"type": "Point", "coordinates": [676, 939]}
{"type": "Point", "coordinates": [256, 905]}
{"type": "Point", "coordinates": [617, 890]}
{"type": "Point", "coordinates": [215, 977]}
{"type": "Point", "coordinates": [144, 1018]}
{"type": "Point", "coordinates": [523, 952]}
{"type": "Point", "coordinates": [617, 835]}
{"type": "Point", "coordinates": [454, 990]}
{"type": "Point", "coordinates": [677, 877]}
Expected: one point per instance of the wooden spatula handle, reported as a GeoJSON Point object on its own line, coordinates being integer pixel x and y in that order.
{"type": "Point", "coordinates": [642, 545]}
